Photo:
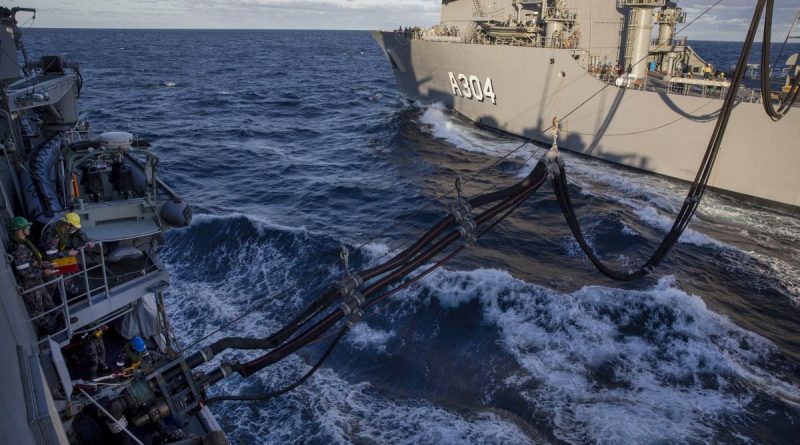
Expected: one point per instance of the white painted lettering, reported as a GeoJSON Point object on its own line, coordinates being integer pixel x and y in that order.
{"type": "Point", "coordinates": [488, 90]}
{"type": "Point", "coordinates": [470, 87]}
{"type": "Point", "coordinates": [454, 84]}
{"type": "Point", "coordinates": [466, 91]}
{"type": "Point", "coordinates": [475, 87]}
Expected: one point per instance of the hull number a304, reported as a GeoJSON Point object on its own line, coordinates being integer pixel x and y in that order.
{"type": "Point", "coordinates": [470, 87]}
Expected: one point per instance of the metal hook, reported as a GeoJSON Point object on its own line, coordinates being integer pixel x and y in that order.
{"type": "Point", "coordinates": [459, 186]}
{"type": "Point", "coordinates": [344, 254]}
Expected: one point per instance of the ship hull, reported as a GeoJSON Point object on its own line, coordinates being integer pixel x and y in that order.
{"type": "Point", "coordinates": [666, 134]}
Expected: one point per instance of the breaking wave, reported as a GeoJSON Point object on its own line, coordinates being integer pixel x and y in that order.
{"type": "Point", "coordinates": [319, 153]}
{"type": "Point", "coordinates": [615, 366]}
{"type": "Point", "coordinates": [765, 240]}
{"type": "Point", "coordinates": [595, 365]}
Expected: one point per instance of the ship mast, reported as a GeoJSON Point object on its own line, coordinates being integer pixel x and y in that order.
{"type": "Point", "coordinates": [639, 31]}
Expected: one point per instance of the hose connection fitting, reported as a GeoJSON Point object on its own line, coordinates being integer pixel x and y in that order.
{"type": "Point", "coordinates": [352, 299]}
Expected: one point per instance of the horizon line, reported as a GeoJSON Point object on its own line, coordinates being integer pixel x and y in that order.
{"type": "Point", "coordinates": [268, 29]}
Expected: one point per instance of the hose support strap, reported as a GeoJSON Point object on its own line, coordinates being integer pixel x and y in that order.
{"type": "Point", "coordinates": [352, 299]}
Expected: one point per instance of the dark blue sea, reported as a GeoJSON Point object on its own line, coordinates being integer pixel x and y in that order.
{"type": "Point", "coordinates": [292, 143]}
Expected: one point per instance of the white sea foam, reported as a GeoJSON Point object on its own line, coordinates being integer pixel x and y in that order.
{"type": "Point", "coordinates": [363, 337]}
{"type": "Point", "coordinates": [376, 252]}
{"type": "Point", "coordinates": [329, 409]}
{"type": "Point", "coordinates": [259, 221]}
{"type": "Point", "coordinates": [654, 201]}
{"type": "Point", "coordinates": [650, 216]}
{"type": "Point", "coordinates": [233, 279]}
{"type": "Point", "coordinates": [628, 230]}
{"type": "Point", "coordinates": [444, 126]}
{"type": "Point", "coordinates": [674, 366]}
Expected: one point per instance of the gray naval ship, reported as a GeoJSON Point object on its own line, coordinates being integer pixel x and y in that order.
{"type": "Point", "coordinates": [620, 94]}
{"type": "Point", "coordinates": [54, 165]}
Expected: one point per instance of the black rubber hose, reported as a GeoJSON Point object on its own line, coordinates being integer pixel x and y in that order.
{"type": "Point", "coordinates": [272, 340]}
{"type": "Point", "coordinates": [320, 327]}
{"type": "Point", "coordinates": [283, 351]}
{"type": "Point", "coordinates": [267, 396]}
{"type": "Point", "coordinates": [434, 232]}
{"type": "Point", "coordinates": [475, 202]}
{"type": "Point", "coordinates": [538, 174]}
{"type": "Point", "coordinates": [324, 302]}
{"type": "Point", "coordinates": [787, 102]}
{"type": "Point", "coordinates": [417, 262]}
{"type": "Point", "coordinates": [280, 392]}
{"type": "Point", "coordinates": [696, 191]}
{"type": "Point", "coordinates": [444, 261]}
{"type": "Point", "coordinates": [311, 311]}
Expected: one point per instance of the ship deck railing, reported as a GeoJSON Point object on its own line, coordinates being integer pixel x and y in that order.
{"type": "Point", "coordinates": [699, 87]}
{"type": "Point", "coordinates": [101, 298]}
{"type": "Point", "coordinates": [437, 38]}
{"type": "Point", "coordinates": [499, 36]}
{"type": "Point", "coordinates": [676, 42]}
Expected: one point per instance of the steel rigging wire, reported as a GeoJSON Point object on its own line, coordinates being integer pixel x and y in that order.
{"type": "Point", "coordinates": [270, 395]}
{"type": "Point", "coordinates": [700, 184]}
{"type": "Point", "coordinates": [507, 200]}
{"type": "Point", "coordinates": [314, 308]}
{"type": "Point", "coordinates": [414, 257]}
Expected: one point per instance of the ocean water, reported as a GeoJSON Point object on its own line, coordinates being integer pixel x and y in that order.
{"type": "Point", "coordinates": [291, 143]}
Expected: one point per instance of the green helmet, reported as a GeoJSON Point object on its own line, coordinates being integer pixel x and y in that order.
{"type": "Point", "coordinates": [18, 223]}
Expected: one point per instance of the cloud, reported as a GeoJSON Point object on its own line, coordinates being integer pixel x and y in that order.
{"type": "Point", "coordinates": [280, 14]}
{"type": "Point", "coordinates": [730, 19]}
{"type": "Point", "coordinates": [725, 21]}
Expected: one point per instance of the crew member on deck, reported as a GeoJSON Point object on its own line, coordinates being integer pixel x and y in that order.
{"type": "Point", "coordinates": [136, 353]}
{"type": "Point", "coordinates": [31, 271]}
{"type": "Point", "coordinates": [96, 351]}
{"type": "Point", "coordinates": [65, 237]}
{"type": "Point", "coordinates": [708, 71]}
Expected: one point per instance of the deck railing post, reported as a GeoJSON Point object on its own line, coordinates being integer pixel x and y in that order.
{"type": "Point", "coordinates": [103, 268]}
{"type": "Point", "coordinates": [86, 275]}
{"type": "Point", "coordinates": [65, 307]}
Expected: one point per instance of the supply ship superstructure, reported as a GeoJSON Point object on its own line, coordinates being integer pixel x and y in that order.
{"type": "Point", "coordinates": [53, 163]}
{"type": "Point", "coordinates": [622, 92]}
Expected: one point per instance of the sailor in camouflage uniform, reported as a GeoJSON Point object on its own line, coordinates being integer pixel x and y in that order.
{"type": "Point", "coordinates": [62, 239]}
{"type": "Point", "coordinates": [30, 270]}
{"type": "Point", "coordinates": [65, 237]}
{"type": "Point", "coordinates": [96, 352]}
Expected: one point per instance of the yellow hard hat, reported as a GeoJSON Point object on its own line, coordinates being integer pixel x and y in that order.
{"type": "Point", "coordinates": [73, 219]}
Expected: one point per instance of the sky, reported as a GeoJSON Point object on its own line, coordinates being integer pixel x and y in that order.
{"type": "Point", "coordinates": [726, 21]}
